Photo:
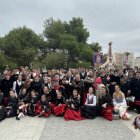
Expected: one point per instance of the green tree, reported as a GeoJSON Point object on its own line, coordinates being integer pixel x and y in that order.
{"type": "Point", "coordinates": [86, 54]}
{"type": "Point", "coordinates": [4, 61]}
{"type": "Point", "coordinates": [69, 47]}
{"type": "Point", "coordinates": [21, 45]}
{"type": "Point", "coordinates": [52, 31]}
{"type": "Point", "coordinates": [54, 60]}
{"type": "Point", "coordinates": [66, 37]}
{"type": "Point", "coordinates": [78, 30]}
{"type": "Point", "coordinates": [95, 46]}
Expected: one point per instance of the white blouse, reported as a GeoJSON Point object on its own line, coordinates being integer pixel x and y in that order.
{"type": "Point", "coordinates": [89, 97]}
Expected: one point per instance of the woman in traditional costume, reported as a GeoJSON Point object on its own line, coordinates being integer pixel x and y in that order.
{"type": "Point", "coordinates": [89, 110]}
{"type": "Point", "coordinates": [105, 104]}
{"type": "Point", "coordinates": [73, 107]}
{"type": "Point", "coordinates": [120, 104]}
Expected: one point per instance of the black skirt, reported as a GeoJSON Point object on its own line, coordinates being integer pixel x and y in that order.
{"type": "Point", "coordinates": [89, 112]}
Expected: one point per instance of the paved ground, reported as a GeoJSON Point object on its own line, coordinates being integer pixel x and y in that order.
{"type": "Point", "coordinates": [98, 129]}
{"type": "Point", "coordinates": [55, 128]}
{"type": "Point", "coordinates": [25, 129]}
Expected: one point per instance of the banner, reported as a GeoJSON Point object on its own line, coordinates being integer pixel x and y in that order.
{"type": "Point", "coordinates": [98, 58]}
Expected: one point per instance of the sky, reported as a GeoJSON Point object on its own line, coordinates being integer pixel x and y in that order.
{"type": "Point", "coordinates": [106, 20]}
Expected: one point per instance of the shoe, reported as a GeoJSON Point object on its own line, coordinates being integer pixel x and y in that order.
{"type": "Point", "coordinates": [138, 111]}
{"type": "Point", "coordinates": [17, 118]}
{"type": "Point", "coordinates": [40, 115]}
{"type": "Point", "coordinates": [62, 114]}
{"type": "Point", "coordinates": [126, 117]}
{"type": "Point", "coordinates": [116, 116]}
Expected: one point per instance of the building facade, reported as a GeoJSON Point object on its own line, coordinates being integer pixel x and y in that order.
{"type": "Point", "coordinates": [137, 62]}
{"type": "Point", "coordinates": [125, 58]}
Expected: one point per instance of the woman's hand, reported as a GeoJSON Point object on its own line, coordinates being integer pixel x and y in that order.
{"type": "Point", "coordinates": [104, 105]}
{"type": "Point", "coordinates": [72, 106]}
{"type": "Point", "coordinates": [59, 104]}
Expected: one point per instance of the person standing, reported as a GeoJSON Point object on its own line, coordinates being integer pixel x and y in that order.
{"type": "Point", "coordinates": [6, 86]}
{"type": "Point", "coordinates": [135, 90]}
{"type": "Point", "coordinates": [17, 85]}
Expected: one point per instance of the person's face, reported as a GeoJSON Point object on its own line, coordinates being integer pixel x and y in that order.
{"type": "Point", "coordinates": [69, 73]}
{"type": "Point", "coordinates": [12, 94]}
{"type": "Point", "coordinates": [138, 75]}
{"type": "Point", "coordinates": [56, 78]}
{"type": "Point", "coordinates": [63, 81]}
{"type": "Point", "coordinates": [7, 77]}
{"type": "Point", "coordinates": [49, 80]}
{"type": "Point", "coordinates": [15, 72]}
{"type": "Point", "coordinates": [130, 74]}
{"type": "Point", "coordinates": [24, 91]}
{"type": "Point", "coordinates": [24, 72]}
{"type": "Point", "coordinates": [32, 94]}
{"type": "Point", "coordinates": [19, 78]}
{"type": "Point", "coordinates": [43, 99]}
{"type": "Point", "coordinates": [75, 93]}
{"type": "Point", "coordinates": [116, 73]}
{"type": "Point", "coordinates": [82, 70]}
{"type": "Point", "coordinates": [36, 78]}
{"type": "Point", "coordinates": [90, 90]}
{"type": "Point", "coordinates": [117, 89]}
{"type": "Point", "coordinates": [112, 72]}
{"type": "Point", "coordinates": [120, 72]}
{"type": "Point", "coordinates": [59, 95]}
{"type": "Point", "coordinates": [45, 89]}
{"type": "Point", "coordinates": [77, 78]}
{"type": "Point", "coordinates": [103, 74]}
{"type": "Point", "coordinates": [103, 91]}
{"type": "Point", "coordinates": [56, 84]}
{"type": "Point", "coordinates": [90, 73]}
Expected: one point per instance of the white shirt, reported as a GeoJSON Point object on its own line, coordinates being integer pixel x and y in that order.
{"type": "Point", "coordinates": [89, 97]}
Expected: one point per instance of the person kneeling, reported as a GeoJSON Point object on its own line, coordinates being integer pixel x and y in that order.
{"type": "Point", "coordinates": [32, 104]}
{"type": "Point", "coordinates": [12, 105]}
{"type": "Point", "coordinates": [73, 107]}
{"type": "Point", "coordinates": [89, 110]}
{"type": "Point", "coordinates": [43, 107]}
{"type": "Point", "coordinates": [120, 104]}
{"type": "Point", "coordinates": [59, 108]}
{"type": "Point", "coordinates": [22, 110]}
{"type": "Point", "coordinates": [105, 104]}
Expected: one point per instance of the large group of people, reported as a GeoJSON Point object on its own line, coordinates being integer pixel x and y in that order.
{"type": "Point", "coordinates": [75, 94]}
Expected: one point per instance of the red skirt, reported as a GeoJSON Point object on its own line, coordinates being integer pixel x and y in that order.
{"type": "Point", "coordinates": [71, 114]}
{"type": "Point", "coordinates": [52, 105]}
{"type": "Point", "coordinates": [46, 114]}
{"type": "Point", "coordinates": [39, 110]}
{"type": "Point", "coordinates": [107, 113]}
{"type": "Point", "coordinates": [58, 110]}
